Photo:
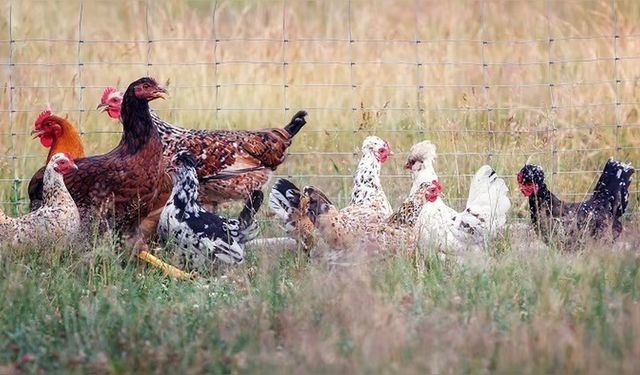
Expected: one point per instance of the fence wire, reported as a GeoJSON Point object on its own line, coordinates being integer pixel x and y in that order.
{"type": "Point", "coordinates": [489, 81]}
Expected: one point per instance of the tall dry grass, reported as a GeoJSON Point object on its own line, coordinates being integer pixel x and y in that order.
{"type": "Point", "coordinates": [528, 310]}
{"type": "Point", "coordinates": [547, 93]}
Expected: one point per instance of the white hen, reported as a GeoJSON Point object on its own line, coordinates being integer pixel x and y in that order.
{"type": "Point", "coordinates": [485, 212]}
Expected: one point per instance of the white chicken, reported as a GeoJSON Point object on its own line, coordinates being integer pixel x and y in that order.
{"type": "Point", "coordinates": [302, 211]}
{"type": "Point", "coordinates": [56, 219]}
{"type": "Point", "coordinates": [485, 212]}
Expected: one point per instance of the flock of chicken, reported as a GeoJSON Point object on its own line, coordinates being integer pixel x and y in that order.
{"type": "Point", "coordinates": [168, 181]}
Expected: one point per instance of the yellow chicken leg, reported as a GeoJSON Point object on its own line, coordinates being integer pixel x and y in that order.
{"type": "Point", "coordinates": [165, 267]}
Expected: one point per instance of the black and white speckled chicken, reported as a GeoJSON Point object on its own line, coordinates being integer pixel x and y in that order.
{"type": "Point", "coordinates": [57, 217]}
{"type": "Point", "coordinates": [202, 239]}
{"type": "Point", "coordinates": [596, 217]}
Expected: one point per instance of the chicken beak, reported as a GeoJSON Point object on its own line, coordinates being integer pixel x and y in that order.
{"type": "Point", "coordinates": [161, 93]}
{"type": "Point", "coordinates": [36, 133]}
{"type": "Point", "coordinates": [101, 107]}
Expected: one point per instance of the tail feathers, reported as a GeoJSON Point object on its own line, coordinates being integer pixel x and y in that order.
{"type": "Point", "coordinates": [318, 204]}
{"type": "Point", "coordinates": [613, 185]}
{"type": "Point", "coordinates": [248, 225]}
{"type": "Point", "coordinates": [489, 198]}
{"type": "Point", "coordinates": [284, 199]}
{"type": "Point", "coordinates": [297, 122]}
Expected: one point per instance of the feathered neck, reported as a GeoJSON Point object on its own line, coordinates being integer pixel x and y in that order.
{"type": "Point", "coordinates": [409, 211]}
{"type": "Point", "coordinates": [54, 190]}
{"type": "Point", "coordinates": [185, 190]}
{"type": "Point", "coordinates": [426, 174]}
{"type": "Point", "coordinates": [367, 179]}
{"type": "Point", "coordinates": [165, 128]}
{"type": "Point", "coordinates": [136, 122]}
{"type": "Point", "coordinates": [543, 197]}
{"type": "Point", "coordinates": [68, 142]}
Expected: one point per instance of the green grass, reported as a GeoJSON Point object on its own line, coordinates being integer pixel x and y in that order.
{"type": "Point", "coordinates": [529, 310]}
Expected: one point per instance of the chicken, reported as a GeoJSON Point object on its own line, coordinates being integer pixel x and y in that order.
{"type": "Point", "coordinates": [246, 159]}
{"type": "Point", "coordinates": [568, 223]}
{"type": "Point", "coordinates": [122, 186]}
{"type": "Point", "coordinates": [397, 232]}
{"type": "Point", "coordinates": [338, 228]}
{"type": "Point", "coordinates": [57, 218]}
{"type": "Point", "coordinates": [203, 239]}
{"type": "Point", "coordinates": [58, 135]}
{"type": "Point", "coordinates": [485, 212]}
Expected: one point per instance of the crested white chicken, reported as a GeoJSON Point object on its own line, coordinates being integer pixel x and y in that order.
{"type": "Point", "coordinates": [57, 218]}
{"type": "Point", "coordinates": [306, 211]}
{"type": "Point", "coordinates": [485, 212]}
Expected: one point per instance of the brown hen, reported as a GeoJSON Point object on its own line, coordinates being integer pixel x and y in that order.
{"type": "Point", "coordinates": [124, 185]}
{"type": "Point", "coordinates": [231, 164]}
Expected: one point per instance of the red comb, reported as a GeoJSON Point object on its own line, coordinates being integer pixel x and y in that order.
{"type": "Point", "coordinates": [108, 91]}
{"type": "Point", "coordinates": [437, 185]}
{"type": "Point", "coordinates": [43, 116]}
{"type": "Point", "coordinates": [520, 178]}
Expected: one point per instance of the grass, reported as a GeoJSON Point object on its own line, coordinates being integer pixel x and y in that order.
{"type": "Point", "coordinates": [529, 309]}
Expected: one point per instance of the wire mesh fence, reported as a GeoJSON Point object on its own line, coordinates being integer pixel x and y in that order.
{"type": "Point", "coordinates": [489, 81]}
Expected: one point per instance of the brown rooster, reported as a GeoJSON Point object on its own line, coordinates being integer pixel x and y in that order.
{"type": "Point", "coordinates": [231, 164]}
{"type": "Point", "coordinates": [58, 135]}
{"type": "Point", "coordinates": [122, 186]}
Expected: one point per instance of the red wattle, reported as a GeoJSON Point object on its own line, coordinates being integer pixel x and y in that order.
{"type": "Point", "coordinates": [46, 141]}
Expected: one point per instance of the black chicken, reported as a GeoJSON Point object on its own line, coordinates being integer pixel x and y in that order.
{"type": "Point", "coordinates": [597, 217]}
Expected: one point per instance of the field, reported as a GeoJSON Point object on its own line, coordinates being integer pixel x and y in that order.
{"type": "Point", "coordinates": [495, 81]}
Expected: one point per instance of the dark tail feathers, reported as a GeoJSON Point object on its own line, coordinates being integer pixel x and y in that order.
{"type": "Point", "coordinates": [613, 185]}
{"type": "Point", "coordinates": [319, 203]}
{"type": "Point", "coordinates": [297, 122]}
{"type": "Point", "coordinates": [284, 199]}
{"type": "Point", "coordinates": [251, 207]}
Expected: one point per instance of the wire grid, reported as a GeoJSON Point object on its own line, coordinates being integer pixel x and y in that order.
{"type": "Point", "coordinates": [483, 138]}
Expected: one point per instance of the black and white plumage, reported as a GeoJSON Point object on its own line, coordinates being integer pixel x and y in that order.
{"type": "Point", "coordinates": [200, 238]}
{"type": "Point", "coordinates": [568, 222]}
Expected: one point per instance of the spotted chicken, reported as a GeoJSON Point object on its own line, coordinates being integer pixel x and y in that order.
{"type": "Point", "coordinates": [397, 233]}
{"type": "Point", "coordinates": [245, 159]}
{"type": "Point", "coordinates": [202, 239]}
{"type": "Point", "coordinates": [566, 224]}
{"type": "Point", "coordinates": [56, 218]}
{"type": "Point", "coordinates": [308, 213]}
{"type": "Point", "coordinates": [485, 212]}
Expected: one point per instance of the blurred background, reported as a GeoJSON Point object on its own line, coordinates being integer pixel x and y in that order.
{"type": "Point", "coordinates": [501, 82]}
